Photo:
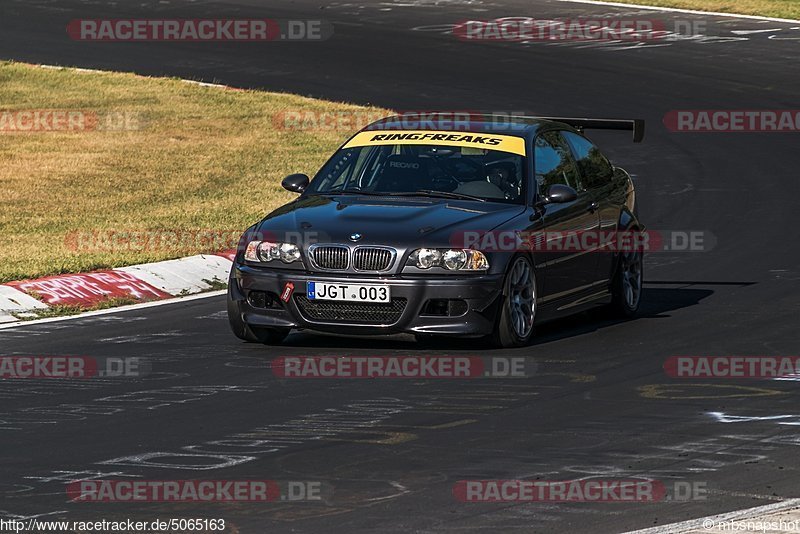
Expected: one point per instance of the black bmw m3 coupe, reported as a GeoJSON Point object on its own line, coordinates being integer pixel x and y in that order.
{"type": "Point", "coordinates": [478, 230]}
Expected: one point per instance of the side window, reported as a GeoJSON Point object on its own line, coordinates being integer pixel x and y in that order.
{"type": "Point", "coordinates": [341, 171]}
{"type": "Point", "coordinates": [553, 162]}
{"type": "Point", "coordinates": [352, 165]}
{"type": "Point", "coordinates": [594, 167]}
{"type": "Point", "coordinates": [375, 164]}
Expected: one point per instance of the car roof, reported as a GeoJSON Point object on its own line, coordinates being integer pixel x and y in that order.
{"type": "Point", "coordinates": [502, 123]}
{"type": "Point", "coordinates": [521, 126]}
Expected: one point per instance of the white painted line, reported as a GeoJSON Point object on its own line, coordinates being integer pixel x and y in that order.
{"type": "Point", "coordinates": [679, 10]}
{"type": "Point", "coordinates": [139, 306]}
{"type": "Point", "coordinates": [695, 524]}
{"type": "Point", "coordinates": [89, 71]}
{"type": "Point", "coordinates": [76, 69]}
{"type": "Point", "coordinates": [206, 84]}
{"type": "Point", "coordinates": [95, 71]}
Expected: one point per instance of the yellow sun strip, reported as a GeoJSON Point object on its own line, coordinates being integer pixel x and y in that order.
{"type": "Point", "coordinates": [503, 143]}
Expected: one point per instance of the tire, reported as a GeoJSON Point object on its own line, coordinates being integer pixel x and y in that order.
{"type": "Point", "coordinates": [626, 286]}
{"type": "Point", "coordinates": [514, 322]}
{"type": "Point", "coordinates": [253, 334]}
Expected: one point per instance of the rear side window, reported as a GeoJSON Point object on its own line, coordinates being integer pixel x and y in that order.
{"type": "Point", "coordinates": [594, 167]}
{"type": "Point", "coordinates": [554, 163]}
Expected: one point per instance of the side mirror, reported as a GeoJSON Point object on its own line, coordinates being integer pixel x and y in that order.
{"type": "Point", "coordinates": [296, 183]}
{"type": "Point", "coordinates": [560, 194]}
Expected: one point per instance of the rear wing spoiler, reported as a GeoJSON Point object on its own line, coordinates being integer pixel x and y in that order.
{"type": "Point", "coordinates": [634, 125]}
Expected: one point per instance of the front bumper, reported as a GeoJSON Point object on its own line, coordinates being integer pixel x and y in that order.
{"type": "Point", "coordinates": [479, 292]}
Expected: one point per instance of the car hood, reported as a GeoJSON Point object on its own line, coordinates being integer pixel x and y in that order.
{"type": "Point", "coordinates": [390, 221]}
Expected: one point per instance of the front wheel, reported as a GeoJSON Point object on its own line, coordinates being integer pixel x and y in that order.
{"type": "Point", "coordinates": [253, 334]}
{"type": "Point", "coordinates": [514, 326]}
{"type": "Point", "coordinates": [626, 287]}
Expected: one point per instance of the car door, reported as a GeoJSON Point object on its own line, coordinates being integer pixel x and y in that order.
{"type": "Point", "coordinates": [569, 271]}
{"type": "Point", "coordinates": [597, 174]}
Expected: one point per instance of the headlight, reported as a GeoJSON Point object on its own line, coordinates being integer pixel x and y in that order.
{"type": "Point", "coordinates": [289, 252]}
{"type": "Point", "coordinates": [265, 251]}
{"type": "Point", "coordinates": [428, 257]}
{"type": "Point", "coordinates": [454, 259]}
{"type": "Point", "coordinates": [450, 259]}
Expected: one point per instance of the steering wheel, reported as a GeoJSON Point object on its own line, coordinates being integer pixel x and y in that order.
{"type": "Point", "coordinates": [454, 167]}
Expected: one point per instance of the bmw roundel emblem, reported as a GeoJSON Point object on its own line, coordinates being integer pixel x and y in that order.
{"type": "Point", "coordinates": [355, 237]}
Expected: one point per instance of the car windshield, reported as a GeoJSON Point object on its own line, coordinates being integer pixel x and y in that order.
{"type": "Point", "coordinates": [456, 172]}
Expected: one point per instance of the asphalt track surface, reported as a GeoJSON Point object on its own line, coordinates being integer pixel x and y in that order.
{"type": "Point", "coordinates": [600, 403]}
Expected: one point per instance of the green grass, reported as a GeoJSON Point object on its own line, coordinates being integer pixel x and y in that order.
{"type": "Point", "coordinates": [216, 284]}
{"type": "Point", "coordinates": [787, 9]}
{"type": "Point", "coordinates": [205, 158]}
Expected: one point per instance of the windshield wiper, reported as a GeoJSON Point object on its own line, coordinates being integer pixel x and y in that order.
{"type": "Point", "coordinates": [350, 192]}
{"type": "Point", "coordinates": [419, 193]}
{"type": "Point", "coordinates": [442, 194]}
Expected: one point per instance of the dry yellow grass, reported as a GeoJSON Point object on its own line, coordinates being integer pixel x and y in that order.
{"type": "Point", "coordinates": [789, 9]}
{"type": "Point", "coordinates": [203, 158]}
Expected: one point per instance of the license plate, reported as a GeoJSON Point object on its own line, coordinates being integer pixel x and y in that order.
{"type": "Point", "coordinates": [348, 292]}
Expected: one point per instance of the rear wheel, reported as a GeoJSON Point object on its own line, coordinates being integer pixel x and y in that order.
{"type": "Point", "coordinates": [253, 334]}
{"type": "Point", "coordinates": [514, 326]}
{"type": "Point", "coordinates": [626, 287]}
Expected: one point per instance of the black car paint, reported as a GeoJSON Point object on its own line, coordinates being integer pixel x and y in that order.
{"type": "Point", "coordinates": [566, 282]}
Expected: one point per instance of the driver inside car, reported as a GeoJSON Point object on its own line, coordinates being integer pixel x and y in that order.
{"type": "Point", "coordinates": [498, 181]}
{"type": "Point", "coordinates": [504, 176]}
